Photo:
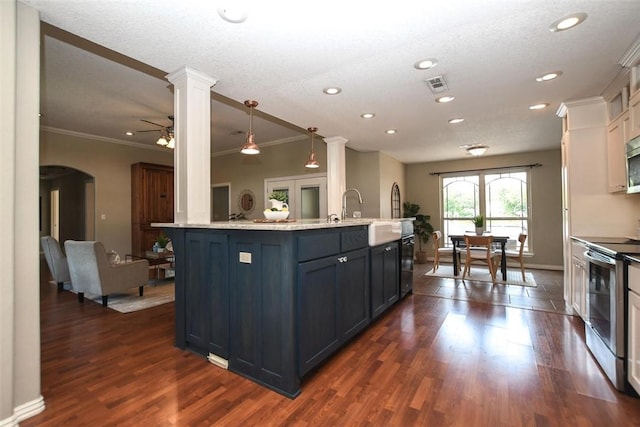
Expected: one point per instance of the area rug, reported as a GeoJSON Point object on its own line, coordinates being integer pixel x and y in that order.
{"type": "Point", "coordinates": [480, 274]}
{"type": "Point", "coordinates": [157, 294]}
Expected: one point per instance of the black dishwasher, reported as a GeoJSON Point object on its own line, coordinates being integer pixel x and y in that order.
{"type": "Point", "coordinates": [406, 262]}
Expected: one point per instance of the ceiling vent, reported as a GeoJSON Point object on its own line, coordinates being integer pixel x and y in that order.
{"type": "Point", "coordinates": [437, 84]}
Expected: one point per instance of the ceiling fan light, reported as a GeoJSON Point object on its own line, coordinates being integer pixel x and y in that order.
{"type": "Point", "coordinates": [172, 143]}
{"type": "Point", "coordinates": [162, 141]}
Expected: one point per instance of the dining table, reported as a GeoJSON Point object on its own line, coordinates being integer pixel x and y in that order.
{"type": "Point", "coordinates": [457, 239]}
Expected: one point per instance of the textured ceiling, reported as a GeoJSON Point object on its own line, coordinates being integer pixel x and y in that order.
{"type": "Point", "coordinates": [489, 52]}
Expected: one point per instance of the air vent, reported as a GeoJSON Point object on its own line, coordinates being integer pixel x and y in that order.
{"type": "Point", "coordinates": [437, 84]}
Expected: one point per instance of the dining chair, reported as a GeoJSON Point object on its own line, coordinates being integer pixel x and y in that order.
{"type": "Point", "coordinates": [440, 251]}
{"type": "Point", "coordinates": [517, 254]}
{"type": "Point", "coordinates": [480, 249]}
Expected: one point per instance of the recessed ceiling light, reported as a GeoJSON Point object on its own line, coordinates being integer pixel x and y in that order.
{"type": "Point", "coordinates": [538, 106]}
{"type": "Point", "coordinates": [390, 131]}
{"type": "Point", "coordinates": [233, 14]}
{"type": "Point", "coordinates": [128, 133]}
{"type": "Point", "coordinates": [456, 120]}
{"type": "Point", "coordinates": [446, 98]}
{"type": "Point", "coordinates": [367, 115]}
{"type": "Point", "coordinates": [425, 64]}
{"type": "Point", "coordinates": [549, 76]}
{"type": "Point", "coordinates": [332, 90]}
{"type": "Point", "coordinates": [567, 22]}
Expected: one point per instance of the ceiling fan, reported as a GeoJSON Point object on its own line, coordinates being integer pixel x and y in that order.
{"type": "Point", "coordinates": [167, 138]}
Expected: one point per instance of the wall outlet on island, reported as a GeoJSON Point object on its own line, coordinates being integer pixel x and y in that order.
{"type": "Point", "coordinates": [245, 257]}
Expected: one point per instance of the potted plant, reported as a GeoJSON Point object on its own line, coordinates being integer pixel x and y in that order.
{"type": "Point", "coordinates": [280, 196]}
{"type": "Point", "coordinates": [422, 229]}
{"type": "Point", "coordinates": [478, 221]}
{"type": "Point", "coordinates": [161, 243]}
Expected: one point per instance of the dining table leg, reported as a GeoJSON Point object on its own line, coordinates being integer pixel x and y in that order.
{"type": "Point", "coordinates": [503, 261]}
{"type": "Point", "coordinates": [456, 267]}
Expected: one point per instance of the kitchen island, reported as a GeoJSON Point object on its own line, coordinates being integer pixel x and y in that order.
{"type": "Point", "coordinates": [271, 301]}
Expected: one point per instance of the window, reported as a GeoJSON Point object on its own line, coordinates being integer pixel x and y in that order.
{"type": "Point", "coordinates": [395, 201]}
{"type": "Point", "coordinates": [501, 197]}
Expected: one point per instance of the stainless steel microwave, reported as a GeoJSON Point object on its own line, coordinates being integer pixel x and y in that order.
{"type": "Point", "coordinates": [633, 165]}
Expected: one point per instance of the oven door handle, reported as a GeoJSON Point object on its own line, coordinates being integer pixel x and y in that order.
{"type": "Point", "coordinates": [600, 261]}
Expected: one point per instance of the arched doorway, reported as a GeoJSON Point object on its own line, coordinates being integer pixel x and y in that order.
{"type": "Point", "coordinates": [67, 203]}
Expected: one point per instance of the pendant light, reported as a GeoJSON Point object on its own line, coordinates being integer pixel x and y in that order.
{"type": "Point", "coordinates": [312, 163]}
{"type": "Point", "coordinates": [250, 147]}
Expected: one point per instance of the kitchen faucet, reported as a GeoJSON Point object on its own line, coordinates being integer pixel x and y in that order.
{"type": "Point", "coordinates": [344, 201]}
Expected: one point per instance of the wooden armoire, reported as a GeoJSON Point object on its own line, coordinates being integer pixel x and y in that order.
{"type": "Point", "coordinates": [151, 201]}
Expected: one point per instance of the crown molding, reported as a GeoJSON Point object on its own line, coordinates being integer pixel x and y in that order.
{"type": "Point", "coordinates": [100, 138]}
{"type": "Point", "coordinates": [632, 56]}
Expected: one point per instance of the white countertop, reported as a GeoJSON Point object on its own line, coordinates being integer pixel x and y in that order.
{"type": "Point", "coordinates": [301, 224]}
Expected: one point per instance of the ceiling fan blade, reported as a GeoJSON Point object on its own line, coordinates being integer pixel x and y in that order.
{"type": "Point", "coordinates": [152, 123]}
{"type": "Point", "coordinates": [150, 130]}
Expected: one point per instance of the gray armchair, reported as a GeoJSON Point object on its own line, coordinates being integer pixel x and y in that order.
{"type": "Point", "coordinates": [56, 260]}
{"type": "Point", "coordinates": [92, 273]}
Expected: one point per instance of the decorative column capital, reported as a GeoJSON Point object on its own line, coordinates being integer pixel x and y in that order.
{"type": "Point", "coordinates": [185, 72]}
{"type": "Point", "coordinates": [336, 140]}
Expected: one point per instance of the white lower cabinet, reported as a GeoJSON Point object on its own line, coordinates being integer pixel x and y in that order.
{"type": "Point", "coordinates": [633, 328]}
{"type": "Point", "coordinates": [580, 278]}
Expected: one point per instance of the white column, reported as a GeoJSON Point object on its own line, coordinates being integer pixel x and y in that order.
{"type": "Point", "coordinates": [336, 173]}
{"type": "Point", "coordinates": [7, 208]}
{"type": "Point", "coordinates": [192, 156]}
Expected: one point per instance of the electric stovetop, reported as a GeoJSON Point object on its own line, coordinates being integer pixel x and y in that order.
{"type": "Point", "coordinates": [614, 246]}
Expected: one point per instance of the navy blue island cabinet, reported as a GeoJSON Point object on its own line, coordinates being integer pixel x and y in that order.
{"type": "Point", "coordinates": [273, 301]}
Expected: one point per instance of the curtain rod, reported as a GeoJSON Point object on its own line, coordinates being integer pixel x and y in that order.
{"type": "Point", "coordinates": [532, 165]}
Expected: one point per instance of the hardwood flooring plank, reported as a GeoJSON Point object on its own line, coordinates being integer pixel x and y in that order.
{"type": "Point", "coordinates": [426, 362]}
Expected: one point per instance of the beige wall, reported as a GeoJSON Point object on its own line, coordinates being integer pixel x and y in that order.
{"type": "Point", "coordinates": [373, 174]}
{"type": "Point", "coordinates": [110, 166]}
{"type": "Point", "coordinates": [363, 173]}
{"type": "Point", "coordinates": [546, 197]}
{"type": "Point", "coordinates": [391, 171]}
{"type": "Point", "coordinates": [249, 172]}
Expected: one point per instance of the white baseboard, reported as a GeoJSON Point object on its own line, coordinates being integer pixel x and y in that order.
{"type": "Point", "coordinates": [24, 411]}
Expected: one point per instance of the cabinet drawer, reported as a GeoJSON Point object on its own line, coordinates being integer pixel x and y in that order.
{"type": "Point", "coordinates": [318, 245]}
{"type": "Point", "coordinates": [354, 238]}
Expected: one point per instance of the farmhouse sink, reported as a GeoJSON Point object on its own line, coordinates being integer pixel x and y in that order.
{"type": "Point", "coordinates": [384, 231]}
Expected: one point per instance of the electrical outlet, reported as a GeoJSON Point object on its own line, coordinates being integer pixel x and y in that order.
{"type": "Point", "coordinates": [245, 257]}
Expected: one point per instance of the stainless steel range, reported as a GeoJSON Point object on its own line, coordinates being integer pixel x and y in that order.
{"type": "Point", "coordinates": [605, 328]}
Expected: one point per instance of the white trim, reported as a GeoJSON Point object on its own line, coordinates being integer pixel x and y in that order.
{"type": "Point", "coordinates": [632, 55]}
{"type": "Point", "coordinates": [102, 138]}
{"type": "Point", "coordinates": [24, 411]}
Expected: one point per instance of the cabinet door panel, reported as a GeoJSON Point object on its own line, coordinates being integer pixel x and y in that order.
{"type": "Point", "coordinates": [318, 318]}
{"type": "Point", "coordinates": [207, 313]}
{"type": "Point", "coordinates": [353, 293]}
{"type": "Point", "coordinates": [377, 288]}
{"type": "Point", "coordinates": [633, 361]}
{"type": "Point", "coordinates": [158, 206]}
{"type": "Point", "coordinates": [391, 273]}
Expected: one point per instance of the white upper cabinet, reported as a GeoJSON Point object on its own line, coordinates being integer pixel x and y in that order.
{"type": "Point", "coordinates": [617, 137]}
{"type": "Point", "coordinates": [634, 116]}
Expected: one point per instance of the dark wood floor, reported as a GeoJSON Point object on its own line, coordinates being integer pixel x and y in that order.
{"type": "Point", "coordinates": [429, 362]}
